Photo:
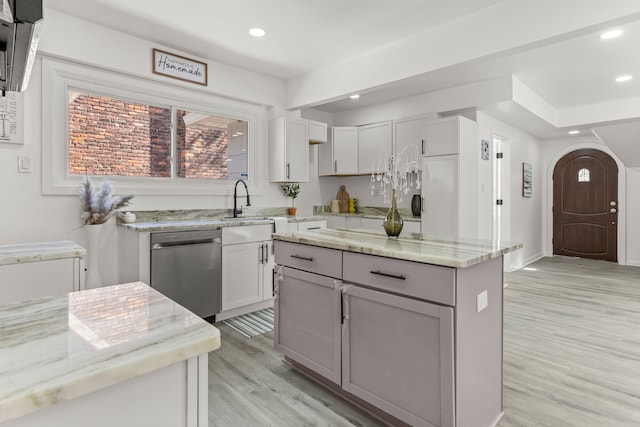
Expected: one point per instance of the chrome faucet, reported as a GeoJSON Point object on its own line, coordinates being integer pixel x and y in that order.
{"type": "Point", "coordinates": [237, 211]}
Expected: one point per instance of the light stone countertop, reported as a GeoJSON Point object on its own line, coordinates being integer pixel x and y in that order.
{"type": "Point", "coordinates": [407, 218]}
{"type": "Point", "coordinates": [31, 252]}
{"type": "Point", "coordinates": [201, 224]}
{"type": "Point", "coordinates": [414, 247]}
{"type": "Point", "coordinates": [55, 349]}
{"type": "Point", "coordinates": [372, 212]}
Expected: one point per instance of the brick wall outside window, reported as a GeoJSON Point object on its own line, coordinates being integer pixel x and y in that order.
{"type": "Point", "coordinates": [119, 138]}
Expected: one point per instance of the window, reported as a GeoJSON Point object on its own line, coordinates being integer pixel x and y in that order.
{"type": "Point", "coordinates": [109, 136]}
{"type": "Point", "coordinates": [116, 137]}
{"type": "Point", "coordinates": [148, 137]}
{"type": "Point", "coordinates": [584, 175]}
{"type": "Point", "coordinates": [211, 147]}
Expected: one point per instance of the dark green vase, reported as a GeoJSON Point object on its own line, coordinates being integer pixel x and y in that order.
{"type": "Point", "coordinates": [393, 221]}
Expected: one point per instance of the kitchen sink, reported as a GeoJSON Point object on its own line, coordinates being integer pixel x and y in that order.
{"type": "Point", "coordinates": [246, 218]}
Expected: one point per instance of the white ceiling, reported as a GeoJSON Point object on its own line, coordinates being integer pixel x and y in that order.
{"type": "Point", "coordinates": [568, 73]}
{"type": "Point", "coordinates": [302, 34]}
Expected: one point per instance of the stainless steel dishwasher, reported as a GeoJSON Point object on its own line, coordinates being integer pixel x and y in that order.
{"type": "Point", "coordinates": [186, 266]}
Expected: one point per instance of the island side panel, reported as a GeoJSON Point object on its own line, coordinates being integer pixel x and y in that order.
{"type": "Point", "coordinates": [479, 344]}
{"type": "Point", "coordinates": [134, 258]}
{"type": "Point", "coordinates": [158, 398]}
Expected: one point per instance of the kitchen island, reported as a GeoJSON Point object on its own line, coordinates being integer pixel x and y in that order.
{"type": "Point", "coordinates": [117, 355]}
{"type": "Point", "coordinates": [410, 329]}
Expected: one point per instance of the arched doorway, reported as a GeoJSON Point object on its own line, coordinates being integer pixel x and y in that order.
{"type": "Point", "coordinates": [585, 205]}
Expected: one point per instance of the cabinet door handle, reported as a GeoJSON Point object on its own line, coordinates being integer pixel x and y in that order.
{"type": "Point", "coordinates": [335, 166]}
{"type": "Point", "coordinates": [265, 249]}
{"type": "Point", "coordinates": [288, 170]}
{"type": "Point", "coordinates": [422, 141]}
{"type": "Point", "coordinates": [304, 258]}
{"type": "Point", "coordinates": [422, 204]}
{"type": "Point", "coordinates": [261, 254]}
{"type": "Point", "coordinates": [393, 276]}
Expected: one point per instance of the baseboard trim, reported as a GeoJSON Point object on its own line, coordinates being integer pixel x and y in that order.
{"type": "Point", "coordinates": [244, 309]}
{"type": "Point", "coordinates": [526, 262]}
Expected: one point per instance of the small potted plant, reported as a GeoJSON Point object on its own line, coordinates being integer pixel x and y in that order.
{"type": "Point", "coordinates": [291, 189]}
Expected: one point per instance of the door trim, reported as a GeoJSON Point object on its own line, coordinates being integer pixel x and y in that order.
{"type": "Point", "coordinates": [622, 200]}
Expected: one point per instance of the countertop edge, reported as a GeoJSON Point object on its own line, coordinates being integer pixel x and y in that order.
{"type": "Point", "coordinates": [180, 345]}
{"type": "Point", "coordinates": [42, 251]}
{"type": "Point", "coordinates": [161, 226]}
{"type": "Point", "coordinates": [326, 242]}
{"type": "Point", "coordinates": [52, 393]}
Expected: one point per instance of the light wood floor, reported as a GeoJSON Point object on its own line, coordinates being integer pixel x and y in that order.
{"type": "Point", "coordinates": [571, 358]}
{"type": "Point", "coordinates": [250, 386]}
{"type": "Point", "coordinates": [572, 344]}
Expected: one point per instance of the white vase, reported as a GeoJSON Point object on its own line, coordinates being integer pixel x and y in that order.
{"type": "Point", "coordinates": [93, 279]}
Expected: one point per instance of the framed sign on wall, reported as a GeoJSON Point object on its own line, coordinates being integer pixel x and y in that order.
{"type": "Point", "coordinates": [179, 67]}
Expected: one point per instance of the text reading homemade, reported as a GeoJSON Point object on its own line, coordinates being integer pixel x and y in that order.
{"type": "Point", "coordinates": [179, 67]}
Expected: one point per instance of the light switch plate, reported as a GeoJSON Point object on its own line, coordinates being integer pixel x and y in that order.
{"type": "Point", "coordinates": [24, 164]}
{"type": "Point", "coordinates": [482, 301]}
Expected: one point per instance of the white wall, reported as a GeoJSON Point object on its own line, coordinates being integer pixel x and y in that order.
{"type": "Point", "coordinates": [524, 220]}
{"type": "Point", "coordinates": [26, 215]}
{"type": "Point", "coordinates": [633, 217]}
{"type": "Point", "coordinates": [456, 98]}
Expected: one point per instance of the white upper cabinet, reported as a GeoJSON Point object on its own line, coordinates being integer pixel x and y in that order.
{"type": "Point", "coordinates": [341, 156]}
{"type": "Point", "coordinates": [318, 132]}
{"type": "Point", "coordinates": [288, 150]}
{"type": "Point", "coordinates": [409, 131]}
{"type": "Point", "coordinates": [373, 140]}
{"type": "Point", "coordinates": [443, 136]}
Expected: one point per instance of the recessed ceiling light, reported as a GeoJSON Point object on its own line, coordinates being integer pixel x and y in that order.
{"type": "Point", "coordinates": [356, 96]}
{"type": "Point", "coordinates": [611, 34]}
{"type": "Point", "coordinates": [623, 79]}
{"type": "Point", "coordinates": [574, 132]}
{"type": "Point", "coordinates": [257, 32]}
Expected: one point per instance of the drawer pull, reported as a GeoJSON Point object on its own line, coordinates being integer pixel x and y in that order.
{"type": "Point", "coordinates": [304, 258]}
{"type": "Point", "coordinates": [393, 276]}
{"type": "Point", "coordinates": [313, 228]}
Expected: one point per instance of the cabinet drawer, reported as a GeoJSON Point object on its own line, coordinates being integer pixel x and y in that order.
{"type": "Point", "coordinates": [246, 233]}
{"type": "Point", "coordinates": [327, 262]}
{"type": "Point", "coordinates": [312, 225]}
{"type": "Point", "coordinates": [424, 281]}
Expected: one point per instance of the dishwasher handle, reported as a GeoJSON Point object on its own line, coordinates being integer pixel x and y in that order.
{"type": "Point", "coordinates": [171, 244]}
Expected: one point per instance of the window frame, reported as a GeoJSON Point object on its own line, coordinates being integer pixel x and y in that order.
{"type": "Point", "coordinates": [59, 77]}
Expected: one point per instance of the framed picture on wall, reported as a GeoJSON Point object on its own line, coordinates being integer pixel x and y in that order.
{"type": "Point", "coordinates": [11, 118]}
{"type": "Point", "coordinates": [527, 180]}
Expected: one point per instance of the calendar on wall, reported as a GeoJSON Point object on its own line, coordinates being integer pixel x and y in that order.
{"type": "Point", "coordinates": [11, 120]}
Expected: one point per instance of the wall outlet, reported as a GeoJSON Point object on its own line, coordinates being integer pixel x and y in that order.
{"type": "Point", "coordinates": [482, 301]}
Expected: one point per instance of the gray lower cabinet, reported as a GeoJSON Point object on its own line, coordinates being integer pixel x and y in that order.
{"type": "Point", "coordinates": [307, 320]}
{"type": "Point", "coordinates": [411, 339]}
{"type": "Point", "coordinates": [397, 354]}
